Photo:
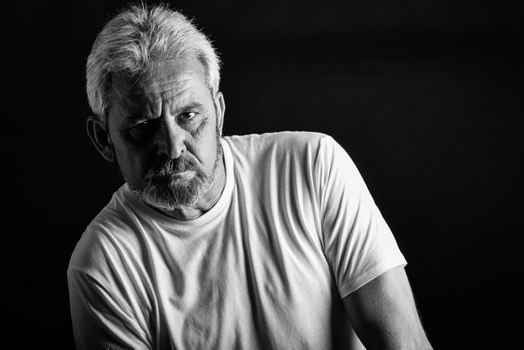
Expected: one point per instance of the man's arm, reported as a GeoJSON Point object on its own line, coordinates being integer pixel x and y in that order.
{"type": "Point", "coordinates": [99, 320]}
{"type": "Point", "coordinates": [384, 315]}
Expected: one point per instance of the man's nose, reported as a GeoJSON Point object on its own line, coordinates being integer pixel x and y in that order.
{"type": "Point", "coordinates": [170, 139]}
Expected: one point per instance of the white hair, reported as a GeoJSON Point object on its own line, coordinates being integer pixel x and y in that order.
{"type": "Point", "coordinates": [137, 38]}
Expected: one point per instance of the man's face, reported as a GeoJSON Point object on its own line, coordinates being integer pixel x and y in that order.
{"type": "Point", "coordinates": [164, 127]}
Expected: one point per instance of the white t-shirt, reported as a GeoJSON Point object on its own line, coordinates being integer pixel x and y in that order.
{"type": "Point", "coordinates": [294, 231]}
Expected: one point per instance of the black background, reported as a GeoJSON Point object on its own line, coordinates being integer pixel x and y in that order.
{"type": "Point", "coordinates": [425, 96]}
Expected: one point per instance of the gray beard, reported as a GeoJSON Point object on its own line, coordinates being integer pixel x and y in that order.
{"type": "Point", "coordinates": [161, 189]}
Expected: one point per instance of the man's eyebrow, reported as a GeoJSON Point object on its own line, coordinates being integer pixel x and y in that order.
{"type": "Point", "coordinates": [187, 106]}
{"type": "Point", "coordinates": [135, 116]}
{"type": "Point", "coordinates": [132, 118]}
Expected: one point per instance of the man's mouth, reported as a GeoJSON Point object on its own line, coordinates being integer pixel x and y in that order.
{"type": "Point", "coordinates": [184, 174]}
{"type": "Point", "coordinates": [174, 176]}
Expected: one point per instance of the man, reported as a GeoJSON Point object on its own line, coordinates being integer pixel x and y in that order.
{"type": "Point", "coordinates": [245, 242]}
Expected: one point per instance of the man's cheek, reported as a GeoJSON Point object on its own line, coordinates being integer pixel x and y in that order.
{"type": "Point", "coordinates": [200, 130]}
{"type": "Point", "coordinates": [137, 165]}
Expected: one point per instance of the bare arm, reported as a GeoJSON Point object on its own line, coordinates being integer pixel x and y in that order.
{"type": "Point", "coordinates": [384, 315]}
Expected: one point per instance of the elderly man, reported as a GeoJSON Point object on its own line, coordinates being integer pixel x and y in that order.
{"type": "Point", "coordinates": [244, 242]}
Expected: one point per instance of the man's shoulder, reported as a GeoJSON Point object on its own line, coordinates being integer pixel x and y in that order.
{"type": "Point", "coordinates": [103, 236]}
{"type": "Point", "coordinates": [279, 155]}
{"type": "Point", "coordinates": [284, 141]}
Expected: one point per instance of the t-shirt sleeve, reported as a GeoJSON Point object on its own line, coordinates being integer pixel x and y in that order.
{"type": "Point", "coordinates": [358, 244]}
{"type": "Point", "coordinates": [100, 320]}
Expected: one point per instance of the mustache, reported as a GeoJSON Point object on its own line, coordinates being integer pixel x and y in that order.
{"type": "Point", "coordinates": [165, 166]}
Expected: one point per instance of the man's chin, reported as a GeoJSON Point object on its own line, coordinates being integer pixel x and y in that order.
{"type": "Point", "coordinates": [177, 193]}
{"type": "Point", "coordinates": [174, 190]}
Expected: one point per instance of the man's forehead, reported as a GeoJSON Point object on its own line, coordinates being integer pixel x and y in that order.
{"type": "Point", "coordinates": [172, 75]}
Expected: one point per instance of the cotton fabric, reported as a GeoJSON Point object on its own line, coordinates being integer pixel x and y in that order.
{"type": "Point", "coordinates": [295, 230]}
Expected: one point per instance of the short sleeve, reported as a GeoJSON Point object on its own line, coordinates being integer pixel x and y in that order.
{"type": "Point", "coordinates": [358, 243]}
{"type": "Point", "coordinates": [109, 309]}
{"type": "Point", "coordinates": [100, 320]}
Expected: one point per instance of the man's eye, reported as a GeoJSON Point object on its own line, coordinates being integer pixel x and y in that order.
{"type": "Point", "coordinates": [142, 124]}
{"type": "Point", "coordinates": [186, 116]}
{"type": "Point", "coordinates": [143, 127]}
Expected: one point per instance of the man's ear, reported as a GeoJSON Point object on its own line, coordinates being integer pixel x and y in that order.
{"type": "Point", "coordinates": [220, 108]}
{"type": "Point", "coordinates": [100, 137]}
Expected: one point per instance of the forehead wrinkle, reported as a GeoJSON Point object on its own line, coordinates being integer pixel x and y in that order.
{"type": "Point", "coordinates": [153, 100]}
{"type": "Point", "coordinates": [159, 91]}
{"type": "Point", "coordinates": [143, 102]}
{"type": "Point", "coordinates": [158, 87]}
{"type": "Point", "coordinates": [126, 91]}
{"type": "Point", "coordinates": [178, 100]}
